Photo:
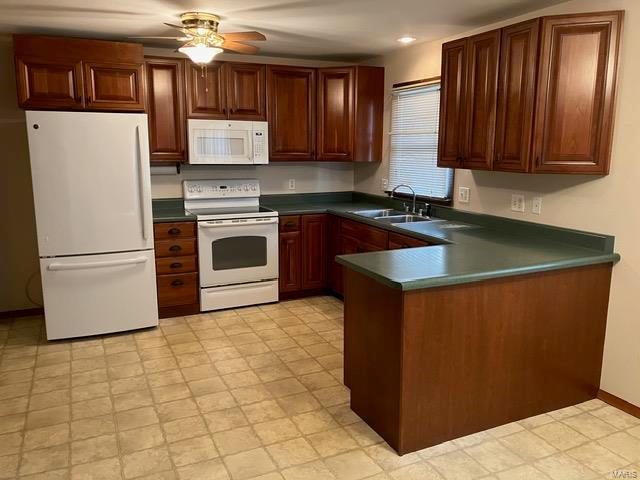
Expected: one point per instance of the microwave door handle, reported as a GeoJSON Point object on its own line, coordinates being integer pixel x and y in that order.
{"type": "Point", "coordinates": [142, 184]}
{"type": "Point", "coordinates": [269, 221]}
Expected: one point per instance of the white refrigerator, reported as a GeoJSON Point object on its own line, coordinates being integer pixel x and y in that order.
{"type": "Point", "coordinates": [92, 196]}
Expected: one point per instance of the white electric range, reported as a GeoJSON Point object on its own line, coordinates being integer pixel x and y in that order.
{"type": "Point", "coordinates": [237, 243]}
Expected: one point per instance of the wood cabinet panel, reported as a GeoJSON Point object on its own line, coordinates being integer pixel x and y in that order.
{"type": "Point", "coordinates": [314, 251]}
{"type": "Point", "coordinates": [335, 114]}
{"type": "Point", "coordinates": [291, 113]}
{"type": "Point", "coordinates": [481, 91]}
{"type": "Point", "coordinates": [452, 104]}
{"type": "Point", "coordinates": [290, 262]}
{"type": "Point", "coordinates": [172, 265]}
{"type": "Point", "coordinates": [334, 248]}
{"type": "Point", "coordinates": [364, 233]}
{"type": "Point", "coordinates": [206, 96]}
{"type": "Point", "coordinates": [576, 89]}
{"type": "Point", "coordinates": [49, 84]}
{"type": "Point", "coordinates": [178, 289]}
{"type": "Point", "coordinates": [369, 110]}
{"type": "Point", "coordinates": [163, 231]}
{"type": "Point", "coordinates": [290, 223]}
{"type": "Point", "coordinates": [246, 91]}
{"type": "Point", "coordinates": [114, 86]}
{"type": "Point", "coordinates": [397, 241]}
{"type": "Point", "coordinates": [178, 246]}
{"type": "Point", "coordinates": [516, 96]}
{"type": "Point", "coordinates": [165, 107]}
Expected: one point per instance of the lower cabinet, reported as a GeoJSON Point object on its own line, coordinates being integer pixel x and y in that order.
{"type": "Point", "coordinates": [176, 268]}
{"type": "Point", "coordinates": [397, 241]}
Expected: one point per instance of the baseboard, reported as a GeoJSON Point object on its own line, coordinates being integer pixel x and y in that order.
{"type": "Point", "coordinates": [619, 403]}
{"type": "Point", "coordinates": [25, 312]}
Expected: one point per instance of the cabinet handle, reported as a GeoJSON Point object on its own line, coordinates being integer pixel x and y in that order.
{"type": "Point", "coordinates": [175, 231]}
{"type": "Point", "coordinates": [175, 265]}
{"type": "Point", "coordinates": [175, 248]}
{"type": "Point", "coordinates": [538, 160]}
{"type": "Point", "coordinates": [177, 283]}
{"type": "Point", "coordinates": [224, 111]}
{"type": "Point", "coordinates": [290, 224]}
{"type": "Point", "coordinates": [231, 111]}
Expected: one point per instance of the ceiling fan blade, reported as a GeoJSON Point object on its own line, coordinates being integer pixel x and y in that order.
{"type": "Point", "coordinates": [178, 27]}
{"type": "Point", "coordinates": [179, 39]}
{"type": "Point", "coordinates": [240, 47]}
{"type": "Point", "coordinates": [244, 36]}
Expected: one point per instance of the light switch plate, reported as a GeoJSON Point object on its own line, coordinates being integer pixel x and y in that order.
{"type": "Point", "coordinates": [517, 202]}
{"type": "Point", "coordinates": [464, 194]}
{"type": "Point", "coordinates": [385, 184]}
{"type": "Point", "coordinates": [292, 184]}
{"type": "Point", "coordinates": [536, 205]}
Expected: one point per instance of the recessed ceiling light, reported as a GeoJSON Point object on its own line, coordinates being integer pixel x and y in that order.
{"type": "Point", "coordinates": [406, 40]}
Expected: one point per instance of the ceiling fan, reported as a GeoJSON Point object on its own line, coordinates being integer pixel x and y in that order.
{"type": "Point", "coordinates": [202, 40]}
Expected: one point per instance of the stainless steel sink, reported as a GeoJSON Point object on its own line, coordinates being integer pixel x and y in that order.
{"type": "Point", "coordinates": [387, 212]}
{"type": "Point", "coordinates": [402, 219]}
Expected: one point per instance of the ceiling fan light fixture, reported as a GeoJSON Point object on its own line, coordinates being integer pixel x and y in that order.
{"type": "Point", "coordinates": [406, 40]}
{"type": "Point", "coordinates": [200, 54]}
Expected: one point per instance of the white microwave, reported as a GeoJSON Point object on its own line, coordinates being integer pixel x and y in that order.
{"type": "Point", "coordinates": [228, 142]}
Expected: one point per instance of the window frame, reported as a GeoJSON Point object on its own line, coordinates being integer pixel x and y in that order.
{"type": "Point", "coordinates": [447, 201]}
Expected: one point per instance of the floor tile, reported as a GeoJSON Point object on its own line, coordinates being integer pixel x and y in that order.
{"type": "Point", "coordinates": [249, 464]}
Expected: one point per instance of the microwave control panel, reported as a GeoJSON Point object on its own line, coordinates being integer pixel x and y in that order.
{"type": "Point", "coordinates": [260, 143]}
{"type": "Point", "coordinates": [206, 189]}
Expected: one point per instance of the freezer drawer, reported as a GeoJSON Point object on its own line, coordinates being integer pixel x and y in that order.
{"type": "Point", "coordinates": [96, 294]}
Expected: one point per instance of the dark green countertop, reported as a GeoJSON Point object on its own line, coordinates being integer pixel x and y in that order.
{"type": "Point", "coordinates": [467, 247]}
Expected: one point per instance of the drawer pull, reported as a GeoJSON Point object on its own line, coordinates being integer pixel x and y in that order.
{"type": "Point", "coordinates": [177, 283]}
{"type": "Point", "coordinates": [174, 231]}
{"type": "Point", "coordinates": [175, 248]}
{"type": "Point", "coordinates": [175, 265]}
{"type": "Point", "coordinates": [290, 224]}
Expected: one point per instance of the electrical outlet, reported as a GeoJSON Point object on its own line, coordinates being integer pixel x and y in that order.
{"type": "Point", "coordinates": [292, 184]}
{"type": "Point", "coordinates": [464, 194]}
{"type": "Point", "coordinates": [517, 203]}
{"type": "Point", "coordinates": [385, 184]}
{"type": "Point", "coordinates": [536, 205]}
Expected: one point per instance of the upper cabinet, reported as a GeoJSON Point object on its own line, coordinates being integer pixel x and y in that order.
{"type": "Point", "coordinates": [533, 97]}
{"type": "Point", "coordinates": [291, 93]}
{"type": "Point", "coordinates": [165, 108]}
{"type": "Point", "coordinates": [77, 74]}
{"type": "Point", "coordinates": [221, 91]}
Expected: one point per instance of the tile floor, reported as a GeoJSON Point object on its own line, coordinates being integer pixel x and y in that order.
{"type": "Point", "coordinates": [253, 393]}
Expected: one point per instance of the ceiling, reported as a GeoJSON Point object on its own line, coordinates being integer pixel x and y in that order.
{"type": "Point", "coordinates": [329, 29]}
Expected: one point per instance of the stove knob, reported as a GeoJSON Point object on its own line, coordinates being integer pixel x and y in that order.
{"type": "Point", "coordinates": [253, 188]}
{"type": "Point", "coordinates": [246, 188]}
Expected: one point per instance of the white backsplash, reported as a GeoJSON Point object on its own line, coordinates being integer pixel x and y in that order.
{"type": "Point", "coordinates": [274, 178]}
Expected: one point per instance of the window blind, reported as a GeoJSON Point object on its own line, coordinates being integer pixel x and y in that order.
{"type": "Point", "coordinates": [414, 142]}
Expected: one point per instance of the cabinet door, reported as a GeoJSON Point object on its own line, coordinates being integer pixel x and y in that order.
{"type": "Point", "coordinates": [245, 91]}
{"type": "Point", "coordinates": [452, 98]}
{"type": "Point", "coordinates": [49, 84]}
{"type": "Point", "coordinates": [481, 93]}
{"type": "Point", "coordinates": [516, 96]}
{"type": "Point", "coordinates": [335, 114]}
{"type": "Point", "coordinates": [290, 256]}
{"type": "Point", "coordinates": [165, 107]}
{"type": "Point", "coordinates": [334, 248]}
{"type": "Point", "coordinates": [576, 86]}
{"type": "Point", "coordinates": [114, 86]}
{"type": "Point", "coordinates": [206, 92]}
{"type": "Point", "coordinates": [314, 251]}
{"type": "Point", "coordinates": [291, 112]}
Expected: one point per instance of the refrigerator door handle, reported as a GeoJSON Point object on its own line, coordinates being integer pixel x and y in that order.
{"type": "Point", "coordinates": [54, 267]}
{"type": "Point", "coordinates": [143, 185]}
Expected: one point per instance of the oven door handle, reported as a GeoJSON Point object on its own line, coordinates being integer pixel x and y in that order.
{"type": "Point", "coordinates": [269, 221]}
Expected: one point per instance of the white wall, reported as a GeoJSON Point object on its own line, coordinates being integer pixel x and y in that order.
{"type": "Point", "coordinates": [18, 243]}
{"type": "Point", "coordinates": [274, 178]}
{"type": "Point", "coordinates": [601, 204]}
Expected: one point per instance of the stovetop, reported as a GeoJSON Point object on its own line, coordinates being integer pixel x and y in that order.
{"type": "Point", "coordinates": [213, 213]}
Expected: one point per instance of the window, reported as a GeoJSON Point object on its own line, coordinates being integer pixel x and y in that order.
{"type": "Point", "coordinates": [414, 142]}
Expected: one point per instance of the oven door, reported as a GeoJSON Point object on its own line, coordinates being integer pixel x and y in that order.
{"type": "Point", "coordinates": [220, 142]}
{"type": "Point", "coordinates": [237, 251]}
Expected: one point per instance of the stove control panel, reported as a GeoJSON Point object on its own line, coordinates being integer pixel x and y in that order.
{"type": "Point", "coordinates": [228, 188]}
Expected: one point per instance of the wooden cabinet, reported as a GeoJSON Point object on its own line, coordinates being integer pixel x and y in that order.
{"type": "Point", "coordinates": [516, 96]}
{"type": "Point", "coordinates": [335, 113]}
{"type": "Point", "coordinates": [576, 91]}
{"type": "Point", "coordinates": [234, 91]}
{"type": "Point", "coordinates": [334, 248]}
{"type": "Point", "coordinates": [560, 70]}
{"type": "Point", "coordinates": [290, 262]}
{"type": "Point", "coordinates": [291, 93]}
{"type": "Point", "coordinates": [49, 84]}
{"type": "Point", "coordinates": [246, 91]}
{"type": "Point", "coordinates": [397, 241]}
{"type": "Point", "coordinates": [314, 250]}
{"type": "Point", "coordinates": [176, 268]}
{"type": "Point", "coordinates": [206, 91]}
{"type": "Point", "coordinates": [480, 100]}
{"type": "Point", "coordinates": [165, 108]}
{"type": "Point", "coordinates": [61, 73]}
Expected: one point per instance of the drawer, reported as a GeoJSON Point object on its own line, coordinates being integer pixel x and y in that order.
{"type": "Point", "coordinates": [365, 233]}
{"type": "Point", "coordinates": [179, 289]}
{"type": "Point", "coordinates": [290, 223]}
{"type": "Point", "coordinates": [175, 248]}
{"type": "Point", "coordinates": [176, 265]}
{"type": "Point", "coordinates": [163, 231]}
{"type": "Point", "coordinates": [397, 240]}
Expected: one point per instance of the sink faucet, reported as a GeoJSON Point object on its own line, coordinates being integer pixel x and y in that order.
{"type": "Point", "coordinates": [413, 206]}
